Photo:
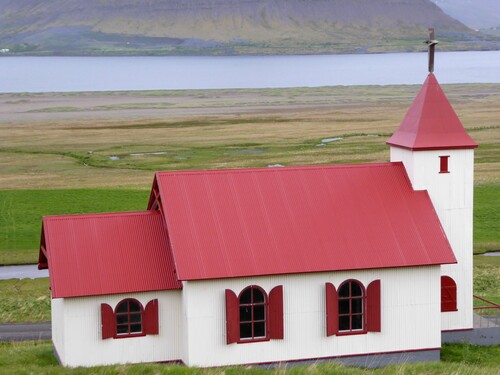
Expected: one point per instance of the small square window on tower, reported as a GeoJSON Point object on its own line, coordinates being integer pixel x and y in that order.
{"type": "Point", "coordinates": [443, 164]}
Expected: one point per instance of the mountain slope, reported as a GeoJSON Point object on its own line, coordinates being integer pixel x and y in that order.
{"type": "Point", "coordinates": [224, 26]}
{"type": "Point", "coordinates": [478, 14]}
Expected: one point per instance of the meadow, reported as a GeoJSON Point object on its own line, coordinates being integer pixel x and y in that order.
{"type": "Point", "coordinates": [66, 153]}
{"type": "Point", "coordinates": [97, 152]}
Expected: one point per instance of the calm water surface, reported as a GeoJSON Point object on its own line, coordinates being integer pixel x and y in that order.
{"type": "Point", "coordinates": [40, 74]}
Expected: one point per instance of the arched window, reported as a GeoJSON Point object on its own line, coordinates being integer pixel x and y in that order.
{"type": "Point", "coordinates": [448, 294]}
{"type": "Point", "coordinates": [352, 309]}
{"type": "Point", "coordinates": [129, 319]}
{"type": "Point", "coordinates": [253, 313]}
{"type": "Point", "coordinates": [351, 300]}
{"type": "Point", "coordinates": [128, 315]}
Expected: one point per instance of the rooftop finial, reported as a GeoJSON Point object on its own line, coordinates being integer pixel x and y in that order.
{"type": "Point", "coordinates": [431, 42]}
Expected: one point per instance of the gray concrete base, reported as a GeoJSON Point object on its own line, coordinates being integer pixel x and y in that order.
{"type": "Point", "coordinates": [477, 336]}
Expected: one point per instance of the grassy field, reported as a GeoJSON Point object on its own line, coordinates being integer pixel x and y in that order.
{"type": "Point", "coordinates": [96, 152]}
{"type": "Point", "coordinates": [463, 359]}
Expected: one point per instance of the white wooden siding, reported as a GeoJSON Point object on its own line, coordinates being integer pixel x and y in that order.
{"type": "Point", "coordinates": [410, 317]}
{"type": "Point", "coordinates": [452, 196]}
{"type": "Point", "coordinates": [80, 331]}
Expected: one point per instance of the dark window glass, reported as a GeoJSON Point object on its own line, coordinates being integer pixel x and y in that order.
{"type": "Point", "coordinates": [260, 329]}
{"type": "Point", "coordinates": [351, 306]}
{"type": "Point", "coordinates": [356, 289]}
{"type": "Point", "coordinates": [357, 322]}
{"type": "Point", "coordinates": [344, 323]}
{"type": "Point", "coordinates": [253, 306]}
{"type": "Point", "coordinates": [128, 315]}
{"type": "Point", "coordinates": [344, 306]}
{"type": "Point", "coordinates": [344, 290]}
{"type": "Point", "coordinates": [246, 296]}
{"type": "Point", "coordinates": [357, 305]}
{"type": "Point", "coordinates": [246, 330]}
{"type": "Point", "coordinates": [259, 312]}
{"type": "Point", "coordinates": [245, 313]}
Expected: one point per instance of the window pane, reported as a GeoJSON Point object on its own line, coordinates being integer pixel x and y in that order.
{"type": "Point", "coordinates": [259, 312]}
{"type": "Point", "coordinates": [121, 318]}
{"type": "Point", "coordinates": [356, 289]}
{"type": "Point", "coordinates": [344, 290]}
{"type": "Point", "coordinates": [122, 307]}
{"type": "Point", "coordinates": [135, 328]}
{"type": "Point", "coordinates": [343, 306]}
{"type": "Point", "coordinates": [245, 313]}
{"type": "Point", "coordinates": [357, 305]}
{"type": "Point", "coordinates": [245, 296]}
{"type": "Point", "coordinates": [135, 318]}
{"type": "Point", "coordinates": [134, 306]}
{"type": "Point", "coordinates": [122, 329]}
{"type": "Point", "coordinates": [357, 322]}
{"type": "Point", "coordinates": [344, 323]}
{"type": "Point", "coordinates": [246, 330]}
{"type": "Point", "coordinates": [260, 329]}
{"type": "Point", "coordinates": [258, 296]}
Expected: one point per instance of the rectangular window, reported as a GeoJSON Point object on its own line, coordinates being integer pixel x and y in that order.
{"type": "Point", "coordinates": [443, 164]}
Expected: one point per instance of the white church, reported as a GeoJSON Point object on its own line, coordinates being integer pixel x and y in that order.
{"type": "Point", "coordinates": [362, 262]}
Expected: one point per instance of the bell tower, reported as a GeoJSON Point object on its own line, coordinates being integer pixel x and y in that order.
{"type": "Point", "coordinates": [438, 155]}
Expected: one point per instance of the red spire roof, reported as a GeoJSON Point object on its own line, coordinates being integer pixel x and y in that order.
{"type": "Point", "coordinates": [431, 123]}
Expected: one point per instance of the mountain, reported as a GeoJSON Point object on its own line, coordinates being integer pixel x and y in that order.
{"type": "Point", "coordinates": [97, 27]}
{"type": "Point", "coordinates": [477, 14]}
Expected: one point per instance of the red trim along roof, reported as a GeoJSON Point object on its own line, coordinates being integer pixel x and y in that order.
{"type": "Point", "coordinates": [431, 123]}
{"type": "Point", "coordinates": [253, 222]}
{"type": "Point", "coordinates": [107, 254]}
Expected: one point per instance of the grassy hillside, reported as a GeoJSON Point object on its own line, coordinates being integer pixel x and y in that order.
{"type": "Point", "coordinates": [227, 27]}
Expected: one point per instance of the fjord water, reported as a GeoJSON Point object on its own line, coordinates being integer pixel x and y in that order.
{"type": "Point", "coordinates": [61, 74]}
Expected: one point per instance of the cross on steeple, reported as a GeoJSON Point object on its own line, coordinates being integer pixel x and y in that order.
{"type": "Point", "coordinates": [431, 42]}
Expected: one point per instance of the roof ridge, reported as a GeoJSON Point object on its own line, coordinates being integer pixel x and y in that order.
{"type": "Point", "coordinates": [100, 215]}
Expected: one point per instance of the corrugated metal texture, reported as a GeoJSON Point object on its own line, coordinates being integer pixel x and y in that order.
{"type": "Point", "coordinates": [410, 317]}
{"type": "Point", "coordinates": [234, 223]}
{"type": "Point", "coordinates": [108, 253]}
{"type": "Point", "coordinates": [58, 328]}
{"type": "Point", "coordinates": [82, 328]}
{"type": "Point", "coordinates": [431, 123]}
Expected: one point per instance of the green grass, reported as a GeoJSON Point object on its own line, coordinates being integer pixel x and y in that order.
{"type": "Point", "coordinates": [25, 300]}
{"type": "Point", "coordinates": [22, 210]}
{"type": "Point", "coordinates": [38, 358]}
{"type": "Point", "coordinates": [487, 278]}
{"type": "Point", "coordinates": [486, 218]}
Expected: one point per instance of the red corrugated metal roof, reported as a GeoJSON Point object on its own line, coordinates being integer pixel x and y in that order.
{"type": "Point", "coordinates": [431, 123]}
{"type": "Point", "coordinates": [108, 254]}
{"type": "Point", "coordinates": [249, 222]}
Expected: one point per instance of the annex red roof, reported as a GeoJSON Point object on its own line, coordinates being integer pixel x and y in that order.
{"type": "Point", "coordinates": [106, 254]}
{"type": "Point", "coordinates": [431, 123]}
{"type": "Point", "coordinates": [250, 222]}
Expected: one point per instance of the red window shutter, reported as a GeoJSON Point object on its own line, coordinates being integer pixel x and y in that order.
{"type": "Point", "coordinates": [332, 310]}
{"type": "Point", "coordinates": [448, 294]}
{"type": "Point", "coordinates": [373, 310]}
{"type": "Point", "coordinates": [232, 317]}
{"type": "Point", "coordinates": [443, 164]}
{"type": "Point", "coordinates": [276, 328]}
{"type": "Point", "coordinates": [108, 324]}
{"type": "Point", "coordinates": [150, 318]}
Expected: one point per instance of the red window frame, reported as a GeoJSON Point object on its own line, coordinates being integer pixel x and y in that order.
{"type": "Point", "coordinates": [253, 305]}
{"type": "Point", "coordinates": [129, 314]}
{"type": "Point", "coordinates": [350, 299]}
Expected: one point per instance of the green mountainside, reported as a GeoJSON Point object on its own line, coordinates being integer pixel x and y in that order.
{"type": "Point", "coordinates": [168, 27]}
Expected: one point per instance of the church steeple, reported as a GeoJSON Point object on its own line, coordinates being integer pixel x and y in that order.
{"type": "Point", "coordinates": [431, 123]}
